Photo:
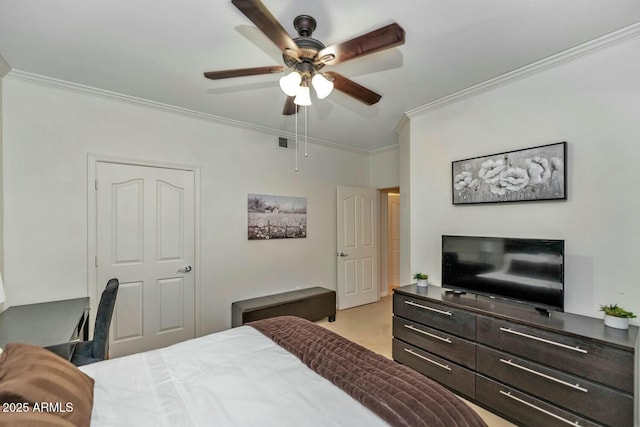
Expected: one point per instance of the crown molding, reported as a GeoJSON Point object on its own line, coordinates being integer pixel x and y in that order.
{"type": "Point", "coordinates": [568, 55]}
{"type": "Point", "coordinates": [4, 67]}
{"type": "Point", "coordinates": [384, 149]}
{"type": "Point", "coordinates": [404, 121]}
{"type": "Point", "coordinates": [92, 91]}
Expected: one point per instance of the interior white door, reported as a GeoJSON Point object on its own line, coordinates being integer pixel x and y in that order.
{"type": "Point", "coordinates": [357, 246]}
{"type": "Point", "coordinates": [145, 238]}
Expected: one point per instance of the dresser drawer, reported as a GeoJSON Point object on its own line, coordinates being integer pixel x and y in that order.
{"type": "Point", "coordinates": [592, 400]}
{"type": "Point", "coordinates": [450, 346]}
{"type": "Point", "coordinates": [445, 372]}
{"type": "Point", "coordinates": [524, 409]}
{"type": "Point", "coordinates": [589, 359]}
{"type": "Point", "coordinates": [445, 318]}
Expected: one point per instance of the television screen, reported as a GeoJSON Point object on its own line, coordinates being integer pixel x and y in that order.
{"type": "Point", "coordinates": [523, 270]}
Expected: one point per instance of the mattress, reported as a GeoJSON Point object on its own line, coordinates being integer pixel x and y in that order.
{"type": "Point", "coordinates": [237, 377]}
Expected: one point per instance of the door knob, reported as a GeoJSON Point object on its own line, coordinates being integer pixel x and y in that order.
{"type": "Point", "coordinates": [185, 270]}
{"type": "Point", "coordinates": [342, 254]}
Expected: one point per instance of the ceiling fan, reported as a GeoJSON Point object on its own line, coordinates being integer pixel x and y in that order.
{"type": "Point", "coordinates": [306, 57]}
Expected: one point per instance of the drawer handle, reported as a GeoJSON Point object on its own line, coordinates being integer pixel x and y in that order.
{"type": "Point", "coordinates": [531, 405]}
{"type": "Point", "coordinates": [408, 350]}
{"type": "Point", "coordinates": [413, 328]}
{"type": "Point", "coordinates": [568, 347]}
{"type": "Point", "coordinates": [446, 313]}
{"type": "Point", "coordinates": [540, 374]}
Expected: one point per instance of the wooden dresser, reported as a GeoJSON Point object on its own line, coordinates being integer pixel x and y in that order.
{"type": "Point", "coordinates": [557, 370]}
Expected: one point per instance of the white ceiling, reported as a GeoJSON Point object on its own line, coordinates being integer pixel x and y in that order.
{"type": "Point", "coordinates": [158, 50]}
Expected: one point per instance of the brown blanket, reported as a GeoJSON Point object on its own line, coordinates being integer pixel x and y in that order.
{"type": "Point", "coordinates": [396, 393]}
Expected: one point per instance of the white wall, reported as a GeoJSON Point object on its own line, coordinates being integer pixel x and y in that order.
{"type": "Point", "coordinates": [1, 186]}
{"type": "Point", "coordinates": [383, 168]}
{"type": "Point", "coordinates": [48, 134]}
{"type": "Point", "coordinates": [404, 177]}
{"type": "Point", "coordinates": [4, 69]}
{"type": "Point", "coordinates": [593, 103]}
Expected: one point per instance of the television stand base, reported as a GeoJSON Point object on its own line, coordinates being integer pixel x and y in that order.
{"type": "Point", "coordinates": [455, 292]}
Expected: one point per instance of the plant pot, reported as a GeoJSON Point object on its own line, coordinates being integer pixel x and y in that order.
{"type": "Point", "coordinates": [616, 322]}
{"type": "Point", "coordinates": [422, 283]}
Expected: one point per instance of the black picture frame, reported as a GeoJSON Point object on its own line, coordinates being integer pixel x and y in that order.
{"type": "Point", "coordinates": [271, 217]}
{"type": "Point", "coordinates": [528, 174]}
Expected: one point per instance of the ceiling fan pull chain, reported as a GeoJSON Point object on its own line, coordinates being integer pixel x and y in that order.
{"type": "Point", "coordinates": [296, 161]}
{"type": "Point", "coordinates": [306, 153]}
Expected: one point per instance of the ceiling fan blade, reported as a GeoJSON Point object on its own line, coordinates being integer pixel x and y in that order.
{"type": "Point", "coordinates": [268, 24]}
{"type": "Point", "coordinates": [289, 107]}
{"type": "Point", "coordinates": [353, 89]}
{"type": "Point", "coordinates": [240, 72]}
{"type": "Point", "coordinates": [383, 38]}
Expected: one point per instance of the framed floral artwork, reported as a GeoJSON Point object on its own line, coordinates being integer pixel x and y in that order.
{"type": "Point", "coordinates": [530, 174]}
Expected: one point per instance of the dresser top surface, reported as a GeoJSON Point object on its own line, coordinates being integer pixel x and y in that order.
{"type": "Point", "coordinates": [561, 322]}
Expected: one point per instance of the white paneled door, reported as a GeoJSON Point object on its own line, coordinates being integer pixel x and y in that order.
{"type": "Point", "coordinates": [145, 238]}
{"type": "Point", "coordinates": [357, 246]}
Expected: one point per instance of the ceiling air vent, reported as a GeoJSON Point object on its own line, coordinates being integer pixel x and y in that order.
{"type": "Point", "coordinates": [284, 143]}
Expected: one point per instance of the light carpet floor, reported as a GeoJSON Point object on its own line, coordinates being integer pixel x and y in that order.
{"type": "Point", "coordinates": [370, 326]}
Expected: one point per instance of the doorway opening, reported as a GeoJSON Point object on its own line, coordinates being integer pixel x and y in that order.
{"type": "Point", "coordinates": [389, 202]}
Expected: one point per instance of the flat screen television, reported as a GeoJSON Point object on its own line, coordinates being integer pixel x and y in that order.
{"type": "Point", "coordinates": [528, 271]}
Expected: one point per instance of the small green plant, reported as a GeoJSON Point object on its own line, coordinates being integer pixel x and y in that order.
{"type": "Point", "coordinates": [614, 310]}
{"type": "Point", "coordinates": [420, 276]}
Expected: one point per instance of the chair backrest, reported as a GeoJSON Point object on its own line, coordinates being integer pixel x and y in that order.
{"type": "Point", "coordinates": [103, 320]}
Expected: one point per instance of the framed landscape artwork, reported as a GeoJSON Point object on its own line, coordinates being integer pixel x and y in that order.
{"type": "Point", "coordinates": [276, 217]}
{"type": "Point", "coordinates": [537, 173]}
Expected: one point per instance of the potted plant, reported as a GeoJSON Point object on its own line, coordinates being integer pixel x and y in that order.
{"type": "Point", "coordinates": [616, 317]}
{"type": "Point", "coordinates": [421, 279]}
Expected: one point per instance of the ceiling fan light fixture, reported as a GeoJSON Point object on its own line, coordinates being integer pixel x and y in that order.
{"type": "Point", "coordinates": [290, 83]}
{"type": "Point", "coordinates": [322, 85]}
{"type": "Point", "coordinates": [303, 96]}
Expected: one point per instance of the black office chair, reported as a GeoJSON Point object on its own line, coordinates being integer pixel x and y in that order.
{"type": "Point", "coordinates": [87, 352]}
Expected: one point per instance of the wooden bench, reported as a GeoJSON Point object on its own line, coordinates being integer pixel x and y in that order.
{"type": "Point", "coordinates": [311, 304]}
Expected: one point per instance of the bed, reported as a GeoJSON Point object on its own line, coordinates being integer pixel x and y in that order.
{"type": "Point", "coordinates": [282, 371]}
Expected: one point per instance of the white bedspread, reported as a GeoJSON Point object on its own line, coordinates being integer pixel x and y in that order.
{"type": "Point", "coordinates": [237, 377]}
